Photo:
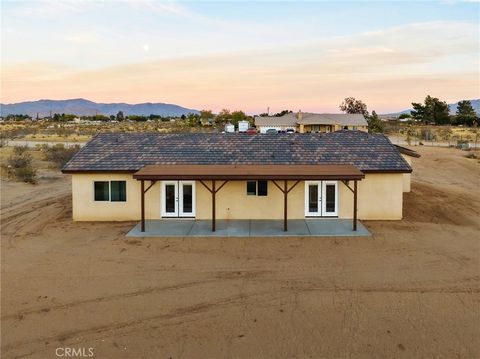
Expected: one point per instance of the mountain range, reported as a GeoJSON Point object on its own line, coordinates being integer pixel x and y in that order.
{"type": "Point", "coordinates": [452, 107]}
{"type": "Point", "coordinates": [82, 107]}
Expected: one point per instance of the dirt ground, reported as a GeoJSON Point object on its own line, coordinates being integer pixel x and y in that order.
{"type": "Point", "coordinates": [411, 291]}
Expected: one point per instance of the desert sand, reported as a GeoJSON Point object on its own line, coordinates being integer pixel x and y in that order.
{"type": "Point", "coordinates": [411, 291]}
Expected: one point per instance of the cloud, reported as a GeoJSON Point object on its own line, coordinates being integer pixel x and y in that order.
{"type": "Point", "coordinates": [54, 8]}
{"type": "Point", "coordinates": [82, 38]}
{"type": "Point", "coordinates": [388, 69]}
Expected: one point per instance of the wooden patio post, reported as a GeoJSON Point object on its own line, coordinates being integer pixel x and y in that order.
{"type": "Point", "coordinates": [142, 203]}
{"type": "Point", "coordinates": [355, 205]}
{"type": "Point", "coordinates": [213, 205]}
{"type": "Point", "coordinates": [285, 193]}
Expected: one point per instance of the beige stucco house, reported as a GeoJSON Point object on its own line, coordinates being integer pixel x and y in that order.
{"type": "Point", "coordinates": [138, 176]}
{"type": "Point", "coordinates": [304, 122]}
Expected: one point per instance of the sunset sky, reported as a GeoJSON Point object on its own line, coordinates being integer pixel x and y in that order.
{"type": "Point", "coordinates": [241, 55]}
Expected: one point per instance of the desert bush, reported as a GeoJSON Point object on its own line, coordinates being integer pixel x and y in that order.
{"type": "Point", "coordinates": [59, 154]}
{"type": "Point", "coordinates": [19, 165]}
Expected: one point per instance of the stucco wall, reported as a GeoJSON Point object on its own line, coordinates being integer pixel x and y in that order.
{"type": "Point", "coordinates": [86, 209]}
{"type": "Point", "coordinates": [407, 177]}
{"type": "Point", "coordinates": [232, 202]}
{"type": "Point", "coordinates": [379, 197]}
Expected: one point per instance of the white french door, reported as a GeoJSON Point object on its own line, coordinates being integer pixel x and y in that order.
{"type": "Point", "coordinates": [178, 199]}
{"type": "Point", "coordinates": [321, 198]}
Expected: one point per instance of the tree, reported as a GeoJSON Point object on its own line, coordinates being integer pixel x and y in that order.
{"type": "Point", "coordinates": [206, 116]}
{"type": "Point", "coordinates": [193, 119]}
{"type": "Point", "coordinates": [431, 111]}
{"type": "Point", "coordinates": [223, 116]}
{"type": "Point", "coordinates": [404, 115]}
{"type": "Point", "coordinates": [351, 105]}
{"type": "Point", "coordinates": [120, 116]}
{"type": "Point", "coordinates": [465, 115]}
{"type": "Point", "coordinates": [375, 125]}
{"type": "Point", "coordinates": [281, 113]}
{"type": "Point", "coordinates": [237, 116]}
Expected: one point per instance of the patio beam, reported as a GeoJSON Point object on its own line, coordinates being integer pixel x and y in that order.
{"type": "Point", "coordinates": [355, 205]}
{"type": "Point", "coordinates": [345, 182]}
{"type": "Point", "coordinates": [285, 195]}
{"type": "Point", "coordinates": [213, 205]}
{"type": "Point", "coordinates": [142, 205]}
{"type": "Point", "coordinates": [152, 182]}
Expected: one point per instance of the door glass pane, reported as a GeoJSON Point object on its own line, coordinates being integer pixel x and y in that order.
{"type": "Point", "coordinates": [313, 198]}
{"type": "Point", "coordinates": [119, 191]}
{"type": "Point", "coordinates": [330, 198]}
{"type": "Point", "coordinates": [187, 198]}
{"type": "Point", "coordinates": [170, 198]}
{"type": "Point", "coordinates": [101, 191]}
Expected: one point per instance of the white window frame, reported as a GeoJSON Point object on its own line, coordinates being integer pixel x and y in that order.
{"type": "Point", "coordinates": [163, 202]}
{"type": "Point", "coordinates": [109, 191]}
{"type": "Point", "coordinates": [322, 204]}
{"type": "Point", "coordinates": [179, 212]}
{"type": "Point", "coordinates": [324, 200]}
{"type": "Point", "coordinates": [307, 196]}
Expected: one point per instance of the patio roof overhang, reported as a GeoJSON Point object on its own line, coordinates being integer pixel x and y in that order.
{"type": "Point", "coordinates": [249, 172]}
{"type": "Point", "coordinates": [226, 173]}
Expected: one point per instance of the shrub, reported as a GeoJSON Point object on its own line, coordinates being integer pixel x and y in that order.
{"type": "Point", "coordinates": [19, 165]}
{"type": "Point", "coordinates": [59, 154]}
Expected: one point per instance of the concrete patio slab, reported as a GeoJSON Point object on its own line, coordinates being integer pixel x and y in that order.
{"type": "Point", "coordinates": [335, 227]}
{"type": "Point", "coordinates": [231, 228]}
{"type": "Point", "coordinates": [274, 228]}
{"type": "Point", "coordinates": [310, 227]}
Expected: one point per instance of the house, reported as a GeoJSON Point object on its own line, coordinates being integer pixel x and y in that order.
{"type": "Point", "coordinates": [137, 176]}
{"type": "Point", "coordinates": [311, 122]}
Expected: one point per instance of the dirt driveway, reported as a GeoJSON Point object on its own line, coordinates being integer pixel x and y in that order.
{"type": "Point", "coordinates": [410, 292]}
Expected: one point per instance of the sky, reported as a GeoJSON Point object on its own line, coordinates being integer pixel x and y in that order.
{"type": "Point", "coordinates": [241, 55]}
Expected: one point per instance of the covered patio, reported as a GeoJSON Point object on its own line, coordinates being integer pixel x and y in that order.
{"type": "Point", "coordinates": [284, 177]}
{"type": "Point", "coordinates": [309, 227]}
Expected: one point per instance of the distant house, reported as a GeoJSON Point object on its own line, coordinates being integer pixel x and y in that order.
{"type": "Point", "coordinates": [304, 122]}
{"type": "Point", "coordinates": [138, 176]}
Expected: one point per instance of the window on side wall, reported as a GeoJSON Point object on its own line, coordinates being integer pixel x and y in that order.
{"type": "Point", "coordinates": [262, 187]}
{"type": "Point", "coordinates": [110, 191]}
{"type": "Point", "coordinates": [257, 188]}
{"type": "Point", "coordinates": [251, 188]}
{"type": "Point", "coordinates": [102, 191]}
{"type": "Point", "coordinates": [118, 191]}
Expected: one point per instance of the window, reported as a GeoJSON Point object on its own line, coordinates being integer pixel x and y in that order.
{"type": "Point", "coordinates": [257, 188]}
{"type": "Point", "coordinates": [262, 188]}
{"type": "Point", "coordinates": [114, 191]}
{"type": "Point", "coordinates": [101, 191]}
{"type": "Point", "coordinates": [118, 191]}
{"type": "Point", "coordinates": [251, 188]}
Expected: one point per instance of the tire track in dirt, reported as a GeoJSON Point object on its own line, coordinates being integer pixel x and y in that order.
{"type": "Point", "coordinates": [219, 277]}
{"type": "Point", "coordinates": [25, 220]}
{"type": "Point", "coordinates": [146, 291]}
{"type": "Point", "coordinates": [102, 329]}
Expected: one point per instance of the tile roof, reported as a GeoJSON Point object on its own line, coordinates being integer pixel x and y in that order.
{"type": "Point", "coordinates": [291, 119]}
{"type": "Point", "coordinates": [343, 119]}
{"type": "Point", "coordinates": [132, 151]}
{"type": "Point", "coordinates": [288, 119]}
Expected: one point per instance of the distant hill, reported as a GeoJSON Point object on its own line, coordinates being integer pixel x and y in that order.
{"type": "Point", "coordinates": [84, 107]}
{"type": "Point", "coordinates": [452, 107]}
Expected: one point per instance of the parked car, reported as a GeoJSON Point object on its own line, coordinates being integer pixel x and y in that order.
{"type": "Point", "coordinates": [290, 130]}
{"type": "Point", "coordinates": [271, 130]}
{"type": "Point", "coordinates": [251, 131]}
